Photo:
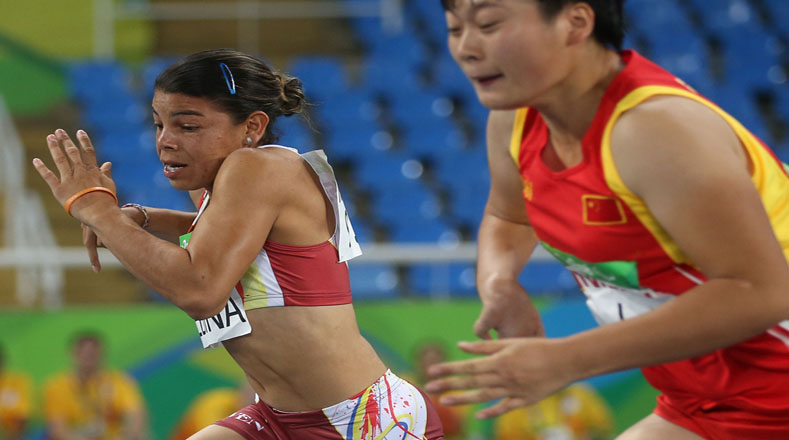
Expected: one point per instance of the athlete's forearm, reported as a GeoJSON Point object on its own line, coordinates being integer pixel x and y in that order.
{"type": "Point", "coordinates": [169, 224]}
{"type": "Point", "coordinates": [164, 267]}
{"type": "Point", "coordinates": [503, 249]}
{"type": "Point", "coordinates": [717, 314]}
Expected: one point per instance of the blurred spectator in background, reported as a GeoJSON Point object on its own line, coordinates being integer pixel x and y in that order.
{"type": "Point", "coordinates": [573, 413]}
{"type": "Point", "coordinates": [212, 405]}
{"type": "Point", "coordinates": [92, 402]}
{"type": "Point", "coordinates": [14, 402]}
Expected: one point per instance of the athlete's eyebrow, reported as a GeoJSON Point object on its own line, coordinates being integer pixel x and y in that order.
{"type": "Point", "coordinates": [181, 113]}
{"type": "Point", "coordinates": [186, 113]}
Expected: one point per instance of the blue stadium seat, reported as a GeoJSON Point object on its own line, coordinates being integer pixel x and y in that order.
{"type": "Point", "coordinates": [462, 169]}
{"type": "Point", "coordinates": [294, 132]}
{"type": "Point", "coordinates": [409, 48]}
{"type": "Point", "coordinates": [355, 106]}
{"type": "Point", "coordinates": [323, 77]}
{"type": "Point", "coordinates": [402, 201]}
{"type": "Point", "coordinates": [468, 202]}
{"type": "Point", "coordinates": [363, 231]}
{"type": "Point", "coordinates": [420, 107]}
{"type": "Point", "coordinates": [151, 68]}
{"type": "Point", "coordinates": [381, 171]}
{"type": "Point", "coordinates": [126, 145]}
{"type": "Point", "coordinates": [779, 12]}
{"type": "Point", "coordinates": [371, 281]}
{"type": "Point", "coordinates": [435, 138]}
{"type": "Point", "coordinates": [654, 18]}
{"type": "Point", "coordinates": [448, 279]}
{"type": "Point", "coordinates": [389, 76]}
{"type": "Point", "coordinates": [448, 77]}
{"type": "Point", "coordinates": [118, 110]}
{"type": "Point", "coordinates": [92, 80]}
{"type": "Point", "coordinates": [357, 142]}
{"type": "Point", "coordinates": [421, 230]}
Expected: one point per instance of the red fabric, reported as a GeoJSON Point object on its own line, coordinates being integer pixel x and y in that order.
{"type": "Point", "coordinates": [558, 207]}
{"type": "Point", "coordinates": [310, 275]}
{"type": "Point", "coordinates": [752, 376]}
{"type": "Point", "coordinates": [724, 423]}
{"type": "Point", "coordinates": [261, 422]}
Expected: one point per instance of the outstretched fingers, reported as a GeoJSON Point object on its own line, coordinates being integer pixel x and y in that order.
{"type": "Point", "coordinates": [465, 382]}
{"type": "Point", "coordinates": [61, 161]}
{"type": "Point", "coordinates": [72, 151]}
{"type": "Point", "coordinates": [473, 396]}
{"type": "Point", "coordinates": [88, 152]}
{"type": "Point", "coordinates": [49, 177]}
{"type": "Point", "coordinates": [503, 406]}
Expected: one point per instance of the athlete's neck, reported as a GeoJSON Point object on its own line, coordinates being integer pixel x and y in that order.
{"type": "Point", "coordinates": [570, 107]}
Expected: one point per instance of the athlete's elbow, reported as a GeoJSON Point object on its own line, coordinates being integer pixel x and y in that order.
{"type": "Point", "coordinates": [202, 305]}
{"type": "Point", "coordinates": [775, 301]}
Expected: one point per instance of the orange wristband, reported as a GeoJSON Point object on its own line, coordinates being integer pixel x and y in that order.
{"type": "Point", "coordinates": [72, 199]}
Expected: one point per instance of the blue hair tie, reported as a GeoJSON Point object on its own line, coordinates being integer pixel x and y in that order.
{"type": "Point", "coordinates": [231, 83]}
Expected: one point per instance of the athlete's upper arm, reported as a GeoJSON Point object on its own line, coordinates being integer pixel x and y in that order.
{"type": "Point", "coordinates": [247, 196]}
{"type": "Point", "coordinates": [687, 165]}
{"type": "Point", "coordinates": [506, 185]}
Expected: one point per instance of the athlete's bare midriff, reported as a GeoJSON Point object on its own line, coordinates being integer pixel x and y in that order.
{"type": "Point", "coordinates": [305, 358]}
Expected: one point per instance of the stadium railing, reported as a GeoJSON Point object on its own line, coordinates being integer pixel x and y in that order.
{"type": "Point", "coordinates": [26, 228]}
{"type": "Point", "coordinates": [246, 12]}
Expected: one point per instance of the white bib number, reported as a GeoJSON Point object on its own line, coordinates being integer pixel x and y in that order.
{"type": "Point", "coordinates": [230, 323]}
{"type": "Point", "coordinates": [610, 304]}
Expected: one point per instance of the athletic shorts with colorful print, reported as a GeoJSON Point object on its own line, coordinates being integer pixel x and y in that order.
{"type": "Point", "coordinates": [391, 408]}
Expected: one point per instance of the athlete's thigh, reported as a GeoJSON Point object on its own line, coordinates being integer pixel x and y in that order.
{"type": "Point", "coordinates": [654, 427]}
{"type": "Point", "coordinates": [216, 432]}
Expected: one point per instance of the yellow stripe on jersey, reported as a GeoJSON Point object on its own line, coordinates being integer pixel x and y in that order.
{"type": "Point", "coordinates": [517, 135]}
{"type": "Point", "coordinates": [768, 176]}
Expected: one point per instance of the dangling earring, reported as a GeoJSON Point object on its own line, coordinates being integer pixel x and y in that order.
{"type": "Point", "coordinates": [248, 141]}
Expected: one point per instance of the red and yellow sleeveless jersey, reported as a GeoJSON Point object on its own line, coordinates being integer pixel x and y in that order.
{"type": "Point", "coordinates": [623, 259]}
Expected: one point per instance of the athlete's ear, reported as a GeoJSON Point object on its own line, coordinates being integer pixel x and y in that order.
{"type": "Point", "coordinates": [579, 17]}
{"type": "Point", "coordinates": [256, 126]}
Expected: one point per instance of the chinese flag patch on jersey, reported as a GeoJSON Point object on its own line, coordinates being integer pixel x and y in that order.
{"type": "Point", "coordinates": [602, 210]}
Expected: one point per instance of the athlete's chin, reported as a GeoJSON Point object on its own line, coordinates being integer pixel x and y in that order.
{"type": "Point", "coordinates": [183, 185]}
{"type": "Point", "coordinates": [498, 102]}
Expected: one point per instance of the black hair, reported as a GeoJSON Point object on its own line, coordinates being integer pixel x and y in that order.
{"type": "Point", "coordinates": [609, 22]}
{"type": "Point", "coordinates": [237, 83]}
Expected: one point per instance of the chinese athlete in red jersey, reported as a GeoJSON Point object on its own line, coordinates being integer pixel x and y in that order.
{"type": "Point", "coordinates": [670, 214]}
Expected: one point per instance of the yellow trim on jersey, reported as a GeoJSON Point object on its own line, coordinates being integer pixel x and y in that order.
{"type": "Point", "coordinates": [768, 175]}
{"type": "Point", "coordinates": [255, 290]}
{"type": "Point", "coordinates": [517, 135]}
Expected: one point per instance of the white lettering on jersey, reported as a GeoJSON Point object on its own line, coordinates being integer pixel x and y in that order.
{"type": "Point", "coordinates": [230, 323]}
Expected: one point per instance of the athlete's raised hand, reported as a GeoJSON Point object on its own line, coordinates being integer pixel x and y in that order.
{"type": "Point", "coordinates": [79, 174]}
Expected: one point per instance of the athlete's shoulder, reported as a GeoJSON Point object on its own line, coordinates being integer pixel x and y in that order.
{"type": "Point", "coordinates": [266, 159]}
{"type": "Point", "coordinates": [667, 135]}
{"type": "Point", "coordinates": [247, 166]}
